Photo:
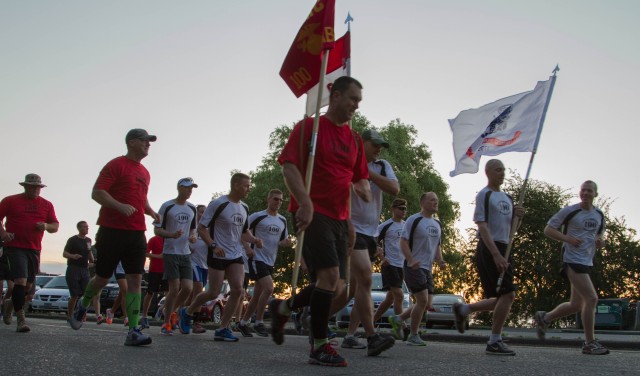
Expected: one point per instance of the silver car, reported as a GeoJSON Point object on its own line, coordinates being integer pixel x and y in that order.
{"type": "Point", "coordinates": [54, 296]}
{"type": "Point", "coordinates": [441, 311]}
{"type": "Point", "coordinates": [377, 295]}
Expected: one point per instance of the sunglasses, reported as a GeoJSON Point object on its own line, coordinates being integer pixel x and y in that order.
{"type": "Point", "coordinates": [403, 208]}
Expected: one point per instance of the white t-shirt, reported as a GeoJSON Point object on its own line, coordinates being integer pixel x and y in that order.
{"type": "Point", "coordinates": [426, 239]}
{"type": "Point", "coordinates": [500, 213]}
{"type": "Point", "coordinates": [392, 251]}
{"type": "Point", "coordinates": [174, 217]}
{"type": "Point", "coordinates": [365, 216]}
{"type": "Point", "coordinates": [583, 225]}
{"type": "Point", "coordinates": [228, 226]}
{"type": "Point", "coordinates": [271, 229]}
{"type": "Point", "coordinates": [199, 251]}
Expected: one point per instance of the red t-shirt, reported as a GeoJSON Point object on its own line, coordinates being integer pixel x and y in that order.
{"type": "Point", "coordinates": [127, 181]}
{"type": "Point", "coordinates": [21, 215]}
{"type": "Point", "coordinates": [339, 161]}
{"type": "Point", "coordinates": [154, 246]}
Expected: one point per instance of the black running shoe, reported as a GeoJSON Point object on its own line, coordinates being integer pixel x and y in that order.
{"type": "Point", "coordinates": [244, 330]}
{"type": "Point", "coordinates": [327, 356]}
{"type": "Point", "coordinates": [377, 344]}
{"type": "Point", "coordinates": [499, 348]}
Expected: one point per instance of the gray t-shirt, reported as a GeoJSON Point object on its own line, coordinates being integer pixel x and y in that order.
{"type": "Point", "coordinates": [271, 229]}
{"type": "Point", "coordinates": [584, 225]}
{"type": "Point", "coordinates": [199, 251]}
{"type": "Point", "coordinates": [392, 251]}
{"type": "Point", "coordinates": [174, 217]}
{"type": "Point", "coordinates": [500, 213]}
{"type": "Point", "coordinates": [230, 223]}
{"type": "Point", "coordinates": [426, 239]}
{"type": "Point", "coordinates": [365, 216]}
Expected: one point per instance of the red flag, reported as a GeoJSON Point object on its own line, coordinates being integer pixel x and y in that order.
{"type": "Point", "coordinates": [337, 66]}
{"type": "Point", "coordinates": [301, 68]}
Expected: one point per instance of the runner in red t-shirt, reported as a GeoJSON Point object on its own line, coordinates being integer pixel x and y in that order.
{"type": "Point", "coordinates": [155, 282]}
{"type": "Point", "coordinates": [27, 216]}
{"type": "Point", "coordinates": [121, 190]}
{"type": "Point", "coordinates": [340, 163]}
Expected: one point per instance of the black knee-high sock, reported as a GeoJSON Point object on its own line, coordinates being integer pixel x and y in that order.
{"type": "Point", "coordinates": [301, 299]}
{"type": "Point", "coordinates": [320, 307]}
{"type": "Point", "coordinates": [17, 297]}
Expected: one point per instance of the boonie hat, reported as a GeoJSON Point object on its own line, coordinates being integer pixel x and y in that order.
{"type": "Point", "coordinates": [32, 179]}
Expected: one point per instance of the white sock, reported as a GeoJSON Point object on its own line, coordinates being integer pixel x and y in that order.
{"type": "Point", "coordinates": [494, 338]}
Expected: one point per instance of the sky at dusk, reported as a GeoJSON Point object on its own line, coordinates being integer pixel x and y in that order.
{"type": "Point", "coordinates": [75, 76]}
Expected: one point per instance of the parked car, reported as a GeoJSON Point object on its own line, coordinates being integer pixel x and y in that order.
{"type": "Point", "coordinates": [43, 279]}
{"type": "Point", "coordinates": [54, 296]}
{"type": "Point", "coordinates": [441, 311]}
{"type": "Point", "coordinates": [111, 291]}
{"type": "Point", "coordinates": [213, 309]}
{"type": "Point", "coordinates": [378, 295]}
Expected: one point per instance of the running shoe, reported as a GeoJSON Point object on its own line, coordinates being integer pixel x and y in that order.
{"type": "Point", "coordinates": [135, 337]}
{"type": "Point", "coordinates": [459, 317]}
{"type": "Point", "coordinates": [277, 321]}
{"type": "Point", "coordinates": [415, 340]}
{"type": "Point", "coordinates": [198, 329]}
{"type": "Point", "coordinates": [166, 330]}
{"type": "Point", "coordinates": [100, 320]}
{"type": "Point", "coordinates": [224, 334]}
{"type": "Point", "coordinates": [261, 330]}
{"type": "Point", "coordinates": [296, 322]}
{"type": "Point", "coordinates": [594, 348]}
{"type": "Point", "coordinates": [244, 330]}
{"type": "Point", "coordinates": [541, 325]}
{"type": "Point", "coordinates": [7, 310]}
{"type": "Point", "coordinates": [327, 356]}
{"type": "Point", "coordinates": [184, 321]}
{"type": "Point", "coordinates": [144, 323]}
{"type": "Point", "coordinates": [109, 316]}
{"type": "Point", "coordinates": [396, 326]}
{"type": "Point", "coordinates": [174, 320]}
{"type": "Point", "coordinates": [78, 314]}
{"type": "Point", "coordinates": [351, 342]}
{"type": "Point", "coordinates": [499, 348]}
{"type": "Point", "coordinates": [377, 344]}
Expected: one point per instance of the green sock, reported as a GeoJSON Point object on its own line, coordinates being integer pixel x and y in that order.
{"type": "Point", "coordinates": [133, 309]}
{"type": "Point", "coordinates": [89, 293]}
{"type": "Point", "coordinates": [317, 343]}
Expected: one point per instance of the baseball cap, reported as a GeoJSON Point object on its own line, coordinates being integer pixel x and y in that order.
{"type": "Point", "coordinates": [141, 134]}
{"type": "Point", "coordinates": [187, 182]}
{"type": "Point", "coordinates": [374, 136]}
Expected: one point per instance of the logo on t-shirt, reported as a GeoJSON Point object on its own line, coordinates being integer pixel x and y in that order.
{"type": "Point", "coordinates": [275, 230]}
{"type": "Point", "coordinates": [433, 231]}
{"type": "Point", "coordinates": [237, 219]}
{"type": "Point", "coordinates": [182, 218]}
{"type": "Point", "coordinates": [590, 224]}
{"type": "Point", "coordinates": [504, 208]}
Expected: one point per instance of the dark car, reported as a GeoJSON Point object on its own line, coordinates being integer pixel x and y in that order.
{"type": "Point", "coordinates": [111, 291]}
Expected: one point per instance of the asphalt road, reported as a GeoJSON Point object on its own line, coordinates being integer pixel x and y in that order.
{"type": "Point", "coordinates": [52, 348]}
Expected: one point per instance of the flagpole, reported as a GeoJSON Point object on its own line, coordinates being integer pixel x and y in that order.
{"type": "Point", "coordinates": [515, 222]}
{"type": "Point", "coordinates": [347, 276]}
{"type": "Point", "coordinates": [310, 163]}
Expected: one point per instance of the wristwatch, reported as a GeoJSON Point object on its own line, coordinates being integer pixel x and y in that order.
{"type": "Point", "coordinates": [212, 246]}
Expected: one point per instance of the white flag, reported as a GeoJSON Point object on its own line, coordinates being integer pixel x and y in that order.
{"type": "Point", "coordinates": [337, 66]}
{"type": "Point", "coordinates": [508, 124]}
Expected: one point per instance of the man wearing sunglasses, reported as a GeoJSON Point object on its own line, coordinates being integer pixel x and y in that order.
{"type": "Point", "coordinates": [388, 234]}
{"type": "Point", "coordinates": [271, 227]}
{"type": "Point", "coordinates": [365, 218]}
{"type": "Point", "coordinates": [177, 227]}
{"type": "Point", "coordinates": [121, 190]}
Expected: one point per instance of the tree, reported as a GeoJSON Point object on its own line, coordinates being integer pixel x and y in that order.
{"type": "Point", "coordinates": [414, 169]}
